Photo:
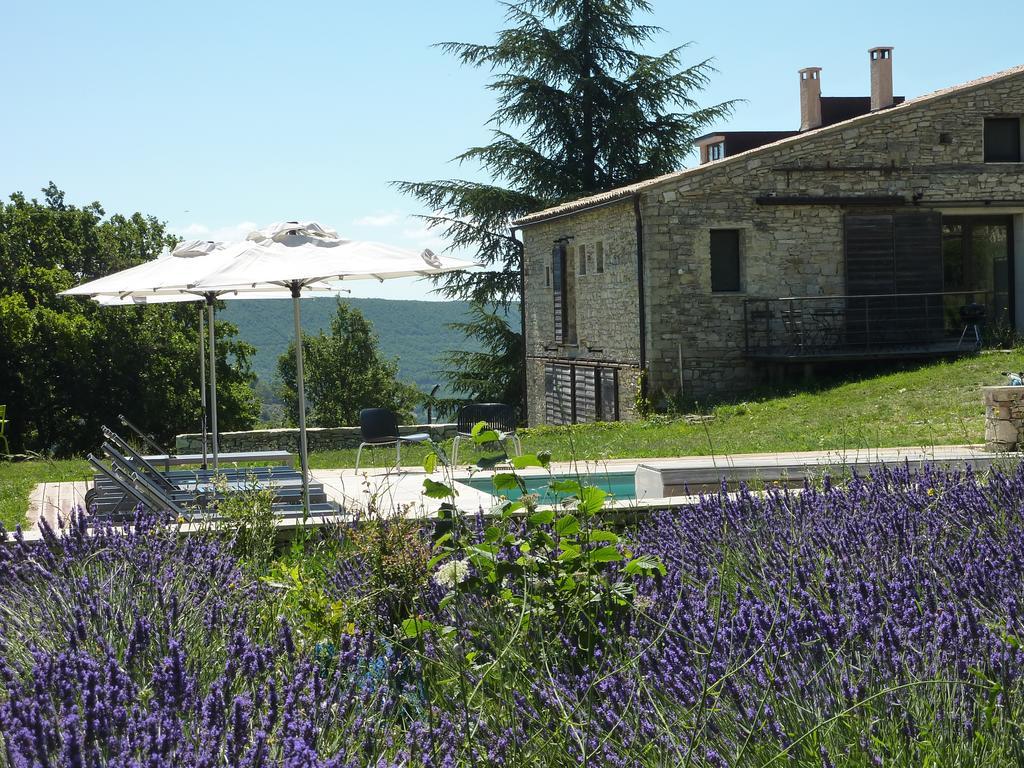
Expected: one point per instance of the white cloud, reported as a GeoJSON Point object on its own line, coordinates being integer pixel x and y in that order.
{"type": "Point", "coordinates": [379, 220]}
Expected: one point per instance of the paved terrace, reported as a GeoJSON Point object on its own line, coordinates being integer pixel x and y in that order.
{"type": "Point", "coordinates": [389, 492]}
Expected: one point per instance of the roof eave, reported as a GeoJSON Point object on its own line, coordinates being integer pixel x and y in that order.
{"type": "Point", "coordinates": [607, 198]}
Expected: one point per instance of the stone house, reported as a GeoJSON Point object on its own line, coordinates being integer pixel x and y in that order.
{"type": "Point", "coordinates": [882, 228]}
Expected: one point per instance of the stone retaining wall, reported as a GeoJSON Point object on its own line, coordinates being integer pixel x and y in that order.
{"type": "Point", "coordinates": [318, 438]}
{"type": "Point", "coordinates": [1004, 417]}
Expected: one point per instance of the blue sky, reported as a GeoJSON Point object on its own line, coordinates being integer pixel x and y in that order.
{"type": "Point", "coordinates": [217, 116]}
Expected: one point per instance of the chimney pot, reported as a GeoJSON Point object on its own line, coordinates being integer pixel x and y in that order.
{"type": "Point", "coordinates": [881, 77]}
{"type": "Point", "coordinates": [810, 98]}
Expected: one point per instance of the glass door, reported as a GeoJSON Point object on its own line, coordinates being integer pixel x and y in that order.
{"type": "Point", "coordinates": [977, 256]}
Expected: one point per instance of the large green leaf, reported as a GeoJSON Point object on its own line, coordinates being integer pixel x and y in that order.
{"type": "Point", "coordinates": [645, 565]}
{"type": "Point", "coordinates": [567, 525]}
{"type": "Point", "coordinates": [430, 463]}
{"type": "Point", "coordinates": [505, 481]}
{"type": "Point", "coordinates": [544, 517]}
{"type": "Point", "coordinates": [435, 490]}
{"type": "Point", "coordinates": [566, 486]}
{"type": "Point", "coordinates": [591, 500]}
{"type": "Point", "coordinates": [604, 555]}
{"type": "Point", "coordinates": [526, 460]}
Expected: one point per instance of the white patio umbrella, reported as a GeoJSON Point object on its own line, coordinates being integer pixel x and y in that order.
{"type": "Point", "coordinates": [164, 280]}
{"type": "Point", "coordinates": [291, 256]}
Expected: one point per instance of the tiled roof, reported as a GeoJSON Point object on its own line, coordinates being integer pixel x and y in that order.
{"type": "Point", "coordinates": [612, 195]}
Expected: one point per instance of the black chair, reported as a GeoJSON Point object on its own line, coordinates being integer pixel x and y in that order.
{"type": "Point", "coordinates": [379, 426]}
{"type": "Point", "coordinates": [499, 417]}
{"type": "Point", "coordinates": [973, 317]}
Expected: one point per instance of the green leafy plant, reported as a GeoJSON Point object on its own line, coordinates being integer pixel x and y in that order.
{"type": "Point", "coordinates": [558, 562]}
{"type": "Point", "coordinates": [246, 517]}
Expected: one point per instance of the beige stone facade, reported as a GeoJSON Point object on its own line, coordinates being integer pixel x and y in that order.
{"type": "Point", "coordinates": [923, 155]}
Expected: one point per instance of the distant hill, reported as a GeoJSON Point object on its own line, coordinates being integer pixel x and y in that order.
{"type": "Point", "coordinates": [415, 332]}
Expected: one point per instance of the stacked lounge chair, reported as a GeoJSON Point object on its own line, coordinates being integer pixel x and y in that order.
{"type": "Point", "coordinates": [191, 495]}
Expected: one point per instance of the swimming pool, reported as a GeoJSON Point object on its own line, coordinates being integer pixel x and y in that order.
{"type": "Point", "coordinates": [618, 484]}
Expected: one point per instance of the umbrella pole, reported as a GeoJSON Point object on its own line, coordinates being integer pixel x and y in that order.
{"type": "Point", "coordinates": [202, 378]}
{"type": "Point", "coordinates": [213, 378]}
{"type": "Point", "coordinates": [300, 387]}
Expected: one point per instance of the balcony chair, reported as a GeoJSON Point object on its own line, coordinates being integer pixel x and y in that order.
{"type": "Point", "coordinates": [499, 417]}
{"type": "Point", "coordinates": [379, 426]}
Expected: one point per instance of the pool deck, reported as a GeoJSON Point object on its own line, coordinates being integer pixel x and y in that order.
{"type": "Point", "coordinates": [383, 493]}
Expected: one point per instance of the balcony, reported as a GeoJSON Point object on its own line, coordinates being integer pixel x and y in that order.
{"type": "Point", "coordinates": [868, 327]}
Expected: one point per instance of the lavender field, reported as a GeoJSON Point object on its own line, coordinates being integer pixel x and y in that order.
{"type": "Point", "coordinates": [876, 623]}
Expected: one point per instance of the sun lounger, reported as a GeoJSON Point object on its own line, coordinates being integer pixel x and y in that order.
{"type": "Point", "coordinates": [119, 490]}
{"type": "Point", "coordinates": [277, 472]}
{"type": "Point", "coordinates": [279, 458]}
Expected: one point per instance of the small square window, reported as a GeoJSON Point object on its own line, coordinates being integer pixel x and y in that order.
{"type": "Point", "coordinates": [725, 260]}
{"type": "Point", "coordinates": [599, 257]}
{"type": "Point", "coordinates": [716, 151]}
{"type": "Point", "coordinates": [582, 259]}
{"type": "Point", "coordinates": [1002, 140]}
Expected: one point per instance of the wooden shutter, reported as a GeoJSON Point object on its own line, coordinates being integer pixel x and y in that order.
{"type": "Point", "coordinates": [918, 252]}
{"type": "Point", "coordinates": [558, 278]}
{"type": "Point", "coordinates": [608, 394]}
{"type": "Point", "coordinates": [558, 386]}
{"type": "Point", "coordinates": [585, 394]}
{"type": "Point", "coordinates": [917, 247]}
{"type": "Point", "coordinates": [869, 255]}
{"type": "Point", "coordinates": [894, 254]}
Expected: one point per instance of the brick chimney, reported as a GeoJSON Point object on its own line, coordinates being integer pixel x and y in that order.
{"type": "Point", "coordinates": [881, 77]}
{"type": "Point", "coordinates": [810, 98]}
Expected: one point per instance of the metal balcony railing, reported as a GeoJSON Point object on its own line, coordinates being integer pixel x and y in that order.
{"type": "Point", "coordinates": [864, 326]}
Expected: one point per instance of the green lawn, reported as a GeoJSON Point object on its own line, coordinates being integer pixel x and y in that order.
{"type": "Point", "coordinates": [936, 404]}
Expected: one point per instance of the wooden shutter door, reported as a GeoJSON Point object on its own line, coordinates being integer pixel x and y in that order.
{"type": "Point", "coordinates": [585, 395]}
{"type": "Point", "coordinates": [917, 239]}
{"type": "Point", "coordinates": [870, 263]}
{"type": "Point", "coordinates": [557, 394]}
{"type": "Point", "coordinates": [608, 392]}
{"type": "Point", "coordinates": [870, 270]}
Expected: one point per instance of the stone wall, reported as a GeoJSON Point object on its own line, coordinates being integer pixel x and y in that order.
{"type": "Point", "coordinates": [786, 250]}
{"type": "Point", "coordinates": [797, 250]}
{"type": "Point", "coordinates": [1004, 417]}
{"type": "Point", "coordinates": [318, 438]}
{"type": "Point", "coordinates": [607, 315]}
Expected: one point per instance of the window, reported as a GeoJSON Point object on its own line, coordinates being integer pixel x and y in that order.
{"type": "Point", "coordinates": [547, 276]}
{"type": "Point", "coordinates": [563, 279]}
{"type": "Point", "coordinates": [581, 257]}
{"type": "Point", "coordinates": [1002, 140]}
{"type": "Point", "coordinates": [716, 151]}
{"type": "Point", "coordinates": [599, 257]}
{"type": "Point", "coordinates": [725, 260]}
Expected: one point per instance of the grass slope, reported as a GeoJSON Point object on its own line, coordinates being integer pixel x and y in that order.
{"type": "Point", "coordinates": [937, 404]}
{"type": "Point", "coordinates": [415, 332]}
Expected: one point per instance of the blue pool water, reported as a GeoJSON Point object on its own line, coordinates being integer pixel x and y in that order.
{"type": "Point", "coordinates": [617, 484]}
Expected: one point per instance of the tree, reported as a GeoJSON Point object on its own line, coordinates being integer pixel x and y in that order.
{"type": "Point", "coordinates": [67, 365]}
{"type": "Point", "coordinates": [344, 373]}
{"type": "Point", "coordinates": [488, 375]}
{"type": "Point", "coordinates": [579, 111]}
